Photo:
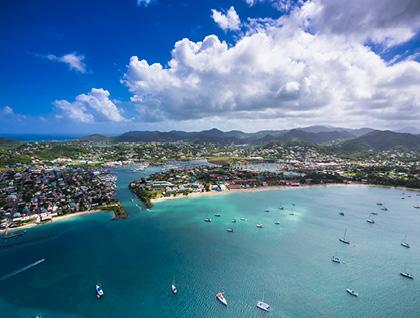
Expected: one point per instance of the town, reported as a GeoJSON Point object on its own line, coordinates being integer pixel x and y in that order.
{"type": "Point", "coordinates": [41, 180]}
{"type": "Point", "coordinates": [36, 195]}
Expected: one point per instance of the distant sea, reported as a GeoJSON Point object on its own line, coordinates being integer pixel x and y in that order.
{"type": "Point", "coordinates": [137, 259]}
{"type": "Point", "coordinates": [40, 137]}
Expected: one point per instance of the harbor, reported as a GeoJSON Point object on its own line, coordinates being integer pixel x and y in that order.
{"type": "Point", "coordinates": [150, 250]}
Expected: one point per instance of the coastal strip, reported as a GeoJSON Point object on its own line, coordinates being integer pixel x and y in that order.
{"type": "Point", "coordinates": [119, 214]}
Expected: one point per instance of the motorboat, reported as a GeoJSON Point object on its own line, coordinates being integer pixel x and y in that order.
{"type": "Point", "coordinates": [352, 292]}
{"type": "Point", "coordinates": [335, 259]}
{"type": "Point", "coordinates": [207, 220]}
{"type": "Point", "coordinates": [260, 226]}
{"type": "Point", "coordinates": [173, 288]}
{"type": "Point", "coordinates": [99, 291]}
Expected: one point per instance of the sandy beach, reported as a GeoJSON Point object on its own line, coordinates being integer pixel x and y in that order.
{"type": "Point", "coordinates": [55, 219]}
{"type": "Point", "coordinates": [258, 189]}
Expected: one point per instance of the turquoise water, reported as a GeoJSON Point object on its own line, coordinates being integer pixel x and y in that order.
{"type": "Point", "coordinates": [136, 260]}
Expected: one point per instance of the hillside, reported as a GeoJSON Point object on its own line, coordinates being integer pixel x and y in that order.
{"type": "Point", "coordinates": [382, 140]}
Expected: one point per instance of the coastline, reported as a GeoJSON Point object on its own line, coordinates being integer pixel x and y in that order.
{"type": "Point", "coordinates": [55, 219]}
{"type": "Point", "coordinates": [244, 190]}
{"type": "Point", "coordinates": [270, 188]}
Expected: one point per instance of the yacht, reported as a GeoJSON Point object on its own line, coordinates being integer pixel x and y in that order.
{"type": "Point", "coordinates": [99, 291]}
{"type": "Point", "coordinates": [260, 226]}
{"type": "Point", "coordinates": [335, 259]}
{"type": "Point", "coordinates": [405, 243]}
{"type": "Point", "coordinates": [343, 239]}
{"type": "Point", "coordinates": [207, 220]}
{"type": "Point", "coordinates": [277, 222]}
{"type": "Point", "coordinates": [406, 275]}
{"type": "Point", "coordinates": [229, 229]}
{"type": "Point", "coordinates": [263, 305]}
{"type": "Point", "coordinates": [352, 292]}
{"type": "Point", "coordinates": [371, 221]}
{"type": "Point", "coordinates": [173, 288]}
{"type": "Point", "coordinates": [221, 298]}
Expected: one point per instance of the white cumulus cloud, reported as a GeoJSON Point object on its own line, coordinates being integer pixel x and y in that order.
{"type": "Point", "coordinates": [289, 71]}
{"type": "Point", "coordinates": [90, 107]}
{"type": "Point", "coordinates": [227, 21]}
{"type": "Point", "coordinates": [73, 60]}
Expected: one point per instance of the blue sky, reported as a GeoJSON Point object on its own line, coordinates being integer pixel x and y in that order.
{"type": "Point", "coordinates": [68, 67]}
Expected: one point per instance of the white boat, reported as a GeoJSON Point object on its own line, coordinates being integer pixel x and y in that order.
{"type": "Point", "coordinates": [405, 243]}
{"type": "Point", "coordinates": [173, 288]}
{"type": "Point", "coordinates": [218, 215]}
{"type": "Point", "coordinates": [406, 274]}
{"type": "Point", "coordinates": [277, 222]}
{"type": "Point", "coordinates": [229, 229]}
{"type": "Point", "coordinates": [207, 220]}
{"type": "Point", "coordinates": [234, 221]}
{"type": "Point", "coordinates": [335, 259]}
{"type": "Point", "coordinates": [99, 291]}
{"type": "Point", "coordinates": [221, 298]}
{"type": "Point", "coordinates": [243, 219]}
{"type": "Point", "coordinates": [260, 226]}
{"type": "Point", "coordinates": [343, 239]}
{"type": "Point", "coordinates": [352, 292]}
{"type": "Point", "coordinates": [263, 305]}
{"type": "Point", "coordinates": [371, 221]}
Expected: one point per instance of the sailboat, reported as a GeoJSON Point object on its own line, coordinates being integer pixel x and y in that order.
{"type": "Point", "coordinates": [263, 305]}
{"type": "Point", "coordinates": [221, 298]}
{"type": "Point", "coordinates": [406, 274]}
{"type": "Point", "coordinates": [173, 288]}
{"type": "Point", "coordinates": [404, 242]}
{"type": "Point", "coordinates": [343, 239]}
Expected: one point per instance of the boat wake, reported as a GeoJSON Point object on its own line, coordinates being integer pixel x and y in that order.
{"type": "Point", "coordinates": [20, 270]}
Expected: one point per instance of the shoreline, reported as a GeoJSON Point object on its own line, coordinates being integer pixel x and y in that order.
{"type": "Point", "coordinates": [245, 190]}
{"type": "Point", "coordinates": [271, 188]}
{"type": "Point", "coordinates": [55, 219]}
